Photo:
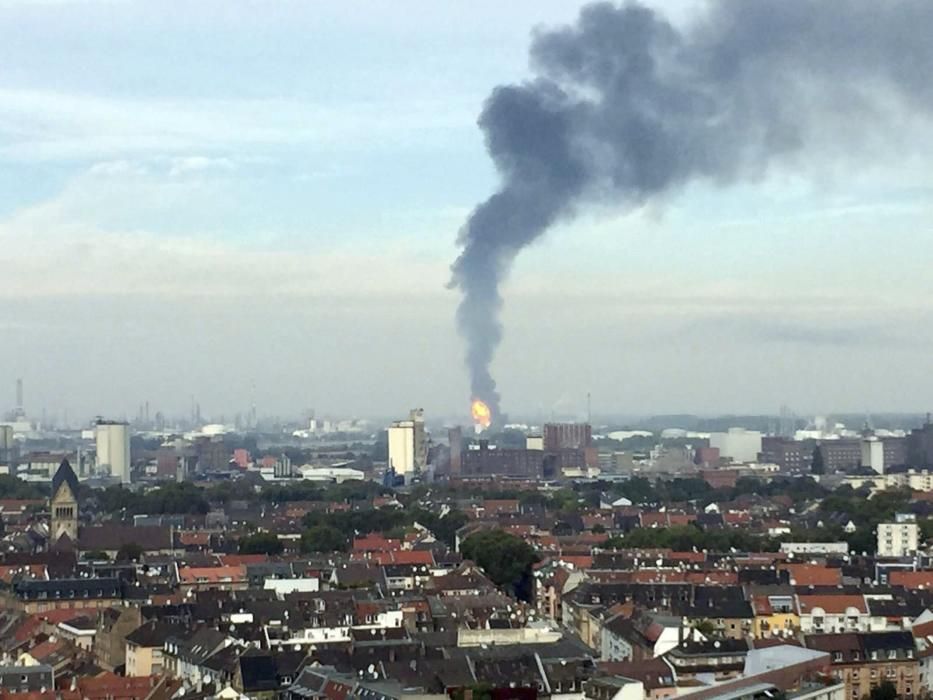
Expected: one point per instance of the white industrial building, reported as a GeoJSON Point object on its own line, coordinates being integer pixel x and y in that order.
{"type": "Point", "coordinates": [408, 444]}
{"type": "Point", "coordinates": [738, 445]}
{"type": "Point", "coordinates": [113, 449]}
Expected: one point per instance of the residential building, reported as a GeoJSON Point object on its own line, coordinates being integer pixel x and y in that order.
{"type": "Point", "coordinates": [833, 613]}
{"type": "Point", "coordinates": [775, 614]}
{"type": "Point", "coordinates": [900, 538]}
{"type": "Point", "coordinates": [863, 661]}
{"type": "Point", "coordinates": [26, 679]}
{"type": "Point", "coordinates": [144, 647]}
{"type": "Point", "coordinates": [644, 635]}
{"type": "Point", "coordinates": [113, 625]}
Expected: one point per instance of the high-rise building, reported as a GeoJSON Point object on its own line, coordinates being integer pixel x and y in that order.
{"type": "Point", "coordinates": [919, 446]}
{"type": "Point", "coordinates": [455, 439]}
{"type": "Point", "coordinates": [7, 447]}
{"type": "Point", "coordinates": [113, 449]}
{"type": "Point", "coordinates": [402, 447]}
{"type": "Point", "coordinates": [484, 461]}
{"type": "Point", "coordinates": [790, 455]}
{"type": "Point", "coordinates": [873, 454]}
{"type": "Point", "coordinates": [408, 445]}
{"type": "Point", "coordinates": [420, 442]}
{"type": "Point", "coordinates": [737, 445]}
{"type": "Point", "coordinates": [567, 436]}
{"type": "Point", "coordinates": [842, 454]}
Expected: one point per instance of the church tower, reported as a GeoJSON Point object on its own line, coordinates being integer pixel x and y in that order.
{"type": "Point", "coordinates": [64, 504]}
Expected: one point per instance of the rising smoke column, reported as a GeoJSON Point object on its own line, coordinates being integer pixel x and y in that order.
{"type": "Point", "coordinates": [625, 107]}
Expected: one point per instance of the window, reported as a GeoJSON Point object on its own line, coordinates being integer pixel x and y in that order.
{"type": "Point", "coordinates": [837, 656]}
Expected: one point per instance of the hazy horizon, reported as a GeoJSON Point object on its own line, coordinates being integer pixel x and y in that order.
{"type": "Point", "coordinates": [260, 205]}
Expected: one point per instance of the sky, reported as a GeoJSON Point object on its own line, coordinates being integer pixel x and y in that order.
{"type": "Point", "coordinates": [244, 202]}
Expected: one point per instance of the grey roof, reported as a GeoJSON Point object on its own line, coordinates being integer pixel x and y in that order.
{"type": "Point", "coordinates": [65, 475]}
{"type": "Point", "coordinates": [153, 634]}
{"type": "Point", "coordinates": [69, 588]}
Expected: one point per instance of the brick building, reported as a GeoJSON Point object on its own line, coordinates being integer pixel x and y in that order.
{"type": "Point", "coordinates": [789, 455]}
{"type": "Point", "coordinates": [567, 436]}
{"type": "Point", "coordinates": [483, 460]}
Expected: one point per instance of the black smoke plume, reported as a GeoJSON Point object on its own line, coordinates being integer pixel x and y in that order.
{"type": "Point", "coordinates": [625, 107]}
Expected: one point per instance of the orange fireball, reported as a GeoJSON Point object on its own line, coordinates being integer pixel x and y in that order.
{"type": "Point", "coordinates": [481, 414]}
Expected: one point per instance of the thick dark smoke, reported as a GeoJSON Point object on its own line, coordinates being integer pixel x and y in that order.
{"type": "Point", "coordinates": [626, 107]}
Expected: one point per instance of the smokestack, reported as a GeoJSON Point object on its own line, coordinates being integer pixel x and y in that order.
{"type": "Point", "coordinates": [624, 108]}
{"type": "Point", "coordinates": [19, 395]}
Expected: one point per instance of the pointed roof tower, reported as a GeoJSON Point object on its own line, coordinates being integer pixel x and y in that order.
{"type": "Point", "coordinates": [65, 475]}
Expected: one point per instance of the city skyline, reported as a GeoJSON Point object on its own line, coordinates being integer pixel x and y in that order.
{"type": "Point", "coordinates": [278, 207]}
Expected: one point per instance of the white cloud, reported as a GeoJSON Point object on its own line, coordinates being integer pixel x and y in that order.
{"type": "Point", "coordinates": [47, 125]}
{"type": "Point", "coordinates": [199, 164]}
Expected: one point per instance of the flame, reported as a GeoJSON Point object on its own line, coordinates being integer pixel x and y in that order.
{"type": "Point", "coordinates": [482, 416]}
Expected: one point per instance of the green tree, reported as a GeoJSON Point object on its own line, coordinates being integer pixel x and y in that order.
{"type": "Point", "coordinates": [14, 487]}
{"type": "Point", "coordinates": [926, 529]}
{"type": "Point", "coordinates": [886, 690]}
{"type": "Point", "coordinates": [96, 555]}
{"type": "Point", "coordinates": [261, 543]}
{"type": "Point", "coordinates": [817, 465]}
{"type": "Point", "coordinates": [323, 538]}
{"type": "Point", "coordinates": [506, 559]}
{"type": "Point", "coordinates": [130, 552]}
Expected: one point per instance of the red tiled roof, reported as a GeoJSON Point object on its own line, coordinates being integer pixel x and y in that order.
{"type": "Point", "coordinates": [813, 575]}
{"type": "Point", "coordinates": [39, 695]}
{"type": "Point", "coordinates": [376, 543]}
{"type": "Point", "coordinates": [414, 557]}
{"type": "Point", "coordinates": [45, 650]}
{"type": "Point", "coordinates": [736, 517]}
{"type": "Point", "coordinates": [831, 604]}
{"type": "Point", "coordinates": [8, 571]}
{"type": "Point", "coordinates": [493, 506]}
{"type": "Point", "coordinates": [18, 505]}
{"type": "Point", "coordinates": [201, 539]}
{"type": "Point", "coordinates": [761, 605]}
{"type": "Point", "coordinates": [211, 574]}
{"type": "Point", "coordinates": [911, 579]}
{"type": "Point", "coordinates": [109, 686]}
{"type": "Point", "coordinates": [579, 561]}
{"type": "Point", "coordinates": [242, 559]}
{"type": "Point", "coordinates": [27, 629]}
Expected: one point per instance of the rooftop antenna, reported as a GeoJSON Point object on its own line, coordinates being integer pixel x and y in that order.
{"type": "Point", "coordinates": [589, 409]}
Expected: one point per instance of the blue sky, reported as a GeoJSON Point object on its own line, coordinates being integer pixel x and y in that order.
{"type": "Point", "coordinates": [197, 198]}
